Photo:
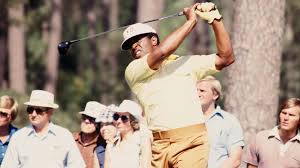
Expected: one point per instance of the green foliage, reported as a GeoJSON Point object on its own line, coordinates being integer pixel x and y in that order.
{"type": "Point", "coordinates": [76, 77]}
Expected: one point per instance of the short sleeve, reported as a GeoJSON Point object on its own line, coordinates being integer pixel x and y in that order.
{"type": "Point", "coordinates": [203, 65]}
{"type": "Point", "coordinates": [137, 72]}
{"type": "Point", "coordinates": [235, 135]}
{"type": "Point", "coordinates": [251, 153]}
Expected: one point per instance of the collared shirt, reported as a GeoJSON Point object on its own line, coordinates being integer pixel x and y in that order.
{"type": "Point", "coordinates": [169, 95]}
{"type": "Point", "coordinates": [87, 150]}
{"type": "Point", "coordinates": [100, 152]}
{"type": "Point", "coordinates": [267, 150]}
{"type": "Point", "coordinates": [55, 149]}
{"type": "Point", "coordinates": [224, 132]}
{"type": "Point", "coordinates": [4, 145]}
{"type": "Point", "coordinates": [126, 153]}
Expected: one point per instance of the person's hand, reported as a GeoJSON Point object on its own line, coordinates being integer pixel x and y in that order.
{"type": "Point", "coordinates": [208, 11]}
{"type": "Point", "coordinates": [190, 13]}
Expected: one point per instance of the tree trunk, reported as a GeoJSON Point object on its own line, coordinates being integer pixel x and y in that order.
{"type": "Point", "coordinates": [148, 10]}
{"type": "Point", "coordinates": [16, 47]}
{"type": "Point", "coordinates": [3, 40]}
{"type": "Point", "coordinates": [290, 76]}
{"type": "Point", "coordinates": [92, 18]}
{"type": "Point", "coordinates": [253, 80]}
{"type": "Point", "coordinates": [109, 48]}
{"type": "Point", "coordinates": [54, 39]}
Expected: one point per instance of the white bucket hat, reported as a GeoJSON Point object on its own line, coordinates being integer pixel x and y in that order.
{"type": "Point", "coordinates": [130, 107]}
{"type": "Point", "coordinates": [135, 30]}
{"type": "Point", "coordinates": [41, 98]}
{"type": "Point", "coordinates": [93, 109]}
{"type": "Point", "coordinates": [106, 116]}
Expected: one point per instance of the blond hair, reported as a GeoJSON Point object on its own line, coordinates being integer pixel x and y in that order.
{"type": "Point", "coordinates": [216, 85]}
{"type": "Point", "coordinates": [10, 103]}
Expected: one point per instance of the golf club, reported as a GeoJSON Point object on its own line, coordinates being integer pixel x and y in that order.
{"type": "Point", "coordinates": [64, 46]}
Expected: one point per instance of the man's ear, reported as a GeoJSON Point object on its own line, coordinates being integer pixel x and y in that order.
{"type": "Point", "coordinates": [154, 40]}
{"type": "Point", "coordinates": [216, 95]}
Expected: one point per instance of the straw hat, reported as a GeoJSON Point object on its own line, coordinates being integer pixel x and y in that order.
{"type": "Point", "coordinates": [41, 98]}
{"type": "Point", "coordinates": [93, 109]}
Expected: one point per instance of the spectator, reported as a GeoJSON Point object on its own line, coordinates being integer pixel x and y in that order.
{"type": "Point", "coordinates": [108, 133]}
{"type": "Point", "coordinates": [87, 138]}
{"type": "Point", "coordinates": [42, 143]}
{"type": "Point", "coordinates": [8, 113]}
{"type": "Point", "coordinates": [280, 146]}
{"type": "Point", "coordinates": [224, 130]}
{"type": "Point", "coordinates": [132, 148]}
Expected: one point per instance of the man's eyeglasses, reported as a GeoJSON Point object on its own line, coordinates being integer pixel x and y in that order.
{"type": "Point", "coordinates": [124, 118]}
{"type": "Point", "coordinates": [38, 110]}
{"type": "Point", "coordinates": [85, 117]}
{"type": "Point", "coordinates": [3, 114]}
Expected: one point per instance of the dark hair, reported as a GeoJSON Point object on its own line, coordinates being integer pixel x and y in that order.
{"type": "Point", "coordinates": [291, 102]}
{"type": "Point", "coordinates": [155, 35]}
{"type": "Point", "coordinates": [134, 122]}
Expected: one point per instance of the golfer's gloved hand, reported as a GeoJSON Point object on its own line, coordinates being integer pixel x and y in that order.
{"type": "Point", "coordinates": [208, 11]}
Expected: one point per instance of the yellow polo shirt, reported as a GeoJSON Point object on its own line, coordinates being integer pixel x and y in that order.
{"type": "Point", "coordinates": [169, 95]}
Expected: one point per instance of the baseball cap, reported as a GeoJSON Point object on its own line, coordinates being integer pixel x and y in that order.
{"type": "Point", "coordinates": [133, 31]}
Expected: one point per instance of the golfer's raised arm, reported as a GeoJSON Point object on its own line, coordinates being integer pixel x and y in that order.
{"type": "Point", "coordinates": [209, 12]}
{"type": "Point", "coordinates": [172, 42]}
{"type": "Point", "coordinates": [225, 54]}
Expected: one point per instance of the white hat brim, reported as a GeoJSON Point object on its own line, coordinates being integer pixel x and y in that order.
{"type": "Point", "coordinates": [41, 104]}
{"type": "Point", "coordinates": [125, 44]}
{"type": "Point", "coordinates": [88, 114]}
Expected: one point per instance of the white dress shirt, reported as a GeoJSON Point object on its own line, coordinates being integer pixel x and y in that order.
{"type": "Point", "coordinates": [55, 149]}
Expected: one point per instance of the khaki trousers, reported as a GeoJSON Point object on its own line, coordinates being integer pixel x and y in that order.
{"type": "Point", "coordinates": [186, 147]}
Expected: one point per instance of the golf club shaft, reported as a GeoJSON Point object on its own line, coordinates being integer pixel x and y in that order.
{"type": "Point", "coordinates": [119, 28]}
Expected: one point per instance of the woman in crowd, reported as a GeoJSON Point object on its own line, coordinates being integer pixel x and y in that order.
{"type": "Point", "coordinates": [108, 134]}
{"type": "Point", "coordinates": [133, 147]}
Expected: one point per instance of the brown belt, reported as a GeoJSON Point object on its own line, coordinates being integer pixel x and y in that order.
{"type": "Point", "coordinates": [179, 132]}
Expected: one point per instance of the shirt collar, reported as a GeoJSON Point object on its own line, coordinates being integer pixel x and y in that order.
{"type": "Point", "coordinates": [78, 138]}
{"type": "Point", "coordinates": [172, 57]}
{"type": "Point", "coordinates": [12, 130]}
{"type": "Point", "coordinates": [51, 129]}
{"type": "Point", "coordinates": [275, 133]}
{"type": "Point", "coordinates": [217, 112]}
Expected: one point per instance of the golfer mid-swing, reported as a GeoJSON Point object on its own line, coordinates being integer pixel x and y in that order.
{"type": "Point", "coordinates": [165, 85]}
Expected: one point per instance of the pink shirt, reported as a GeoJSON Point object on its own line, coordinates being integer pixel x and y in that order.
{"type": "Point", "coordinates": [266, 150]}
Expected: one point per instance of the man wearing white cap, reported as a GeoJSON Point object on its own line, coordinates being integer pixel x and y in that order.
{"type": "Point", "coordinates": [165, 85]}
{"type": "Point", "coordinates": [42, 143]}
{"type": "Point", "coordinates": [87, 138]}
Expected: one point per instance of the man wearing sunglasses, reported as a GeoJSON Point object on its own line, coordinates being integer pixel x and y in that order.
{"type": "Point", "coordinates": [8, 113]}
{"type": "Point", "coordinates": [42, 143]}
{"type": "Point", "coordinates": [87, 139]}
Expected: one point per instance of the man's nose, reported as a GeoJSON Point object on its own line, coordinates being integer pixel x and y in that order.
{"type": "Point", "coordinates": [134, 45]}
